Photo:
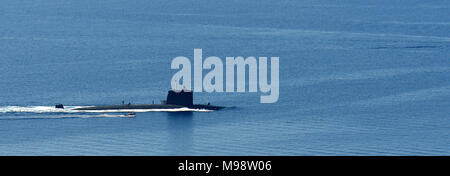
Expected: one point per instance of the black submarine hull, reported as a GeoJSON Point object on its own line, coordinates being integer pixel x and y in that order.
{"type": "Point", "coordinates": [149, 106]}
{"type": "Point", "coordinates": [175, 100]}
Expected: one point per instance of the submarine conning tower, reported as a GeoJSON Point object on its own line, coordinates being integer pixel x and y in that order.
{"type": "Point", "coordinates": [183, 97]}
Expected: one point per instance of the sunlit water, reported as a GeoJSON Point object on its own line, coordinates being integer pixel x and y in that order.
{"type": "Point", "coordinates": [356, 77]}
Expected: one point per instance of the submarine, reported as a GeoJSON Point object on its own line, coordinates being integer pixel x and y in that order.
{"type": "Point", "coordinates": [180, 99]}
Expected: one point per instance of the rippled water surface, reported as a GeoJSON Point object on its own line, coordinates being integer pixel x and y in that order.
{"type": "Point", "coordinates": [356, 78]}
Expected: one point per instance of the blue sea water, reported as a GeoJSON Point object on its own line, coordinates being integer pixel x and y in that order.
{"type": "Point", "coordinates": [356, 77]}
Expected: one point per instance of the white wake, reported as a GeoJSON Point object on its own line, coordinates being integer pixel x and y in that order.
{"type": "Point", "coordinates": [70, 109]}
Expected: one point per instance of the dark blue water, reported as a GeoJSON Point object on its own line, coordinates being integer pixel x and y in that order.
{"type": "Point", "coordinates": [356, 77]}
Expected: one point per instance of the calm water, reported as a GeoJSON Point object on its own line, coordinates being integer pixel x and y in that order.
{"type": "Point", "coordinates": [356, 77]}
